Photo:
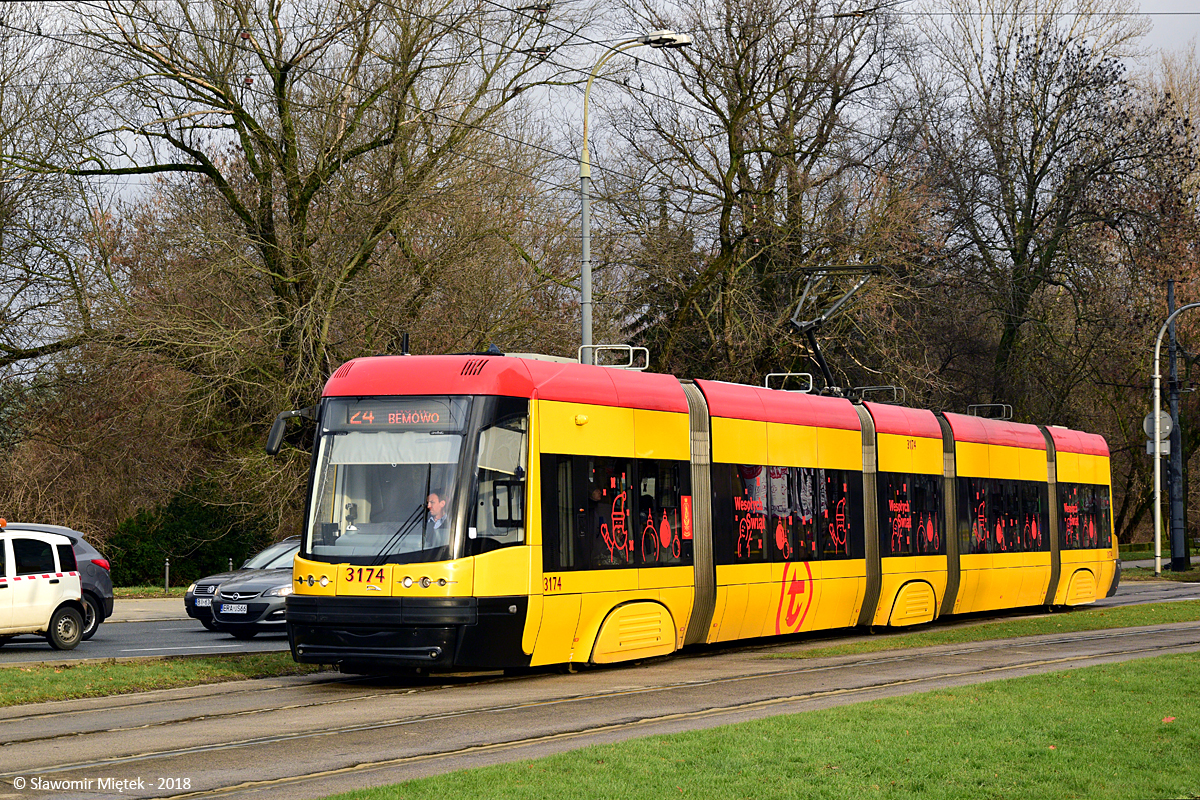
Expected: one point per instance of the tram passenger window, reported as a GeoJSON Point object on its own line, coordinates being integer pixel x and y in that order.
{"type": "Point", "coordinates": [1069, 516]}
{"type": "Point", "coordinates": [1084, 518]}
{"type": "Point", "coordinates": [558, 514]}
{"type": "Point", "coordinates": [929, 534]}
{"type": "Point", "coordinates": [840, 513]}
{"type": "Point", "coordinates": [739, 513]}
{"type": "Point", "coordinates": [910, 514]}
{"type": "Point", "coordinates": [608, 485]}
{"type": "Point", "coordinates": [895, 514]}
{"type": "Point", "coordinates": [1103, 517]}
{"type": "Point", "coordinates": [660, 531]}
{"type": "Point", "coordinates": [973, 515]}
{"type": "Point", "coordinates": [791, 524]}
{"type": "Point", "coordinates": [1034, 517]}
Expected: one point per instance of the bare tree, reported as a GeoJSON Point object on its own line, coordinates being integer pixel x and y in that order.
{"type": "Point", "coordinates": [1041, 149]}
{"type": "Point", "coordinates": [320, 127]}
{"type": "Point", "coordinates": [761, 160]}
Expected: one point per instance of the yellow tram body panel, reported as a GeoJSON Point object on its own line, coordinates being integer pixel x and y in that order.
{"type": "Point", "coordinates": [1082, 576]}
{"type": "Point", "coordinates": [766, 599]}
{"type": "Point", "coordinates": [917, 454]}
{"type": "Point", "coordinates": [911, 590]}
{"type": "Point", "coordinates": [583, 429]}
{"type": "Point", "coordinates": [976, 460]}
{"type": "Point", "coordinates": [991, 581]}
{"type": "Point", "coordinates": [739, 441]}
{"type": "Point", "coordinates": [1083, 468]}
{"type": "Point", "coordinates": [577, 605]}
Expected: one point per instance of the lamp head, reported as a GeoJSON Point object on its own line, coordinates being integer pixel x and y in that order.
{"type": "Point", "coordinates": [666, 38]}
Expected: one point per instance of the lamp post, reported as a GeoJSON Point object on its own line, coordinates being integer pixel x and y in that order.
{"type": "Point", "coordinates": [664, 38]}
{"type": "Point", "coordinates": [1157, 391]}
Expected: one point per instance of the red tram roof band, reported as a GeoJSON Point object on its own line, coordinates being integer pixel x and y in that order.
{"type": "Point", "coordinates": [579, 383]}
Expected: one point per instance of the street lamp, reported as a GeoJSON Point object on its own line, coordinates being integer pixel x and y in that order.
{"type": "Point", "coordinates": [1157, 391]}
{"type": "Point", "coordinates": [656, 39]}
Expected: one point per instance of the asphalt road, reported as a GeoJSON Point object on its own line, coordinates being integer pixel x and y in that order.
{"type": "Point", "coordinates": [153, 638]}
{"type": "Point", "coordinates": [309, 737]}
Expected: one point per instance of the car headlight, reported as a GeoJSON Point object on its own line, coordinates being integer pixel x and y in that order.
{"type": "Point", "coordinates": [278, 591]}
{"type": "Point", "coordinates": [190, 589]}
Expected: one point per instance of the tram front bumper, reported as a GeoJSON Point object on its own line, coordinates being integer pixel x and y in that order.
{"type": "Point", "coordinates": [405, 632]}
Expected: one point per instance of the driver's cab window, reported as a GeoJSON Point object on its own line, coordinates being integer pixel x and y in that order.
{"type": "Point", "coordinates": [502, 453]}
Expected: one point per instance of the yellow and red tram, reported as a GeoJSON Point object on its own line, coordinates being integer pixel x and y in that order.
{"type": "Point", "coordinates": [496, 511]}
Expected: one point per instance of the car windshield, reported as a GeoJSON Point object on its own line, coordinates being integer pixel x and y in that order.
{"type": "Point", "coordinates": [384, 483]}
{"type": "Point", "coordinates": [276, 556]}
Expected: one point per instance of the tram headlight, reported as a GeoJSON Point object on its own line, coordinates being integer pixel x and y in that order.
{"type": "Point", "coordinates": [407, 582]}
{"type": "Point", "coordinates": [426, 582]}
{"type": "Point", "coordinates": [324, 581]}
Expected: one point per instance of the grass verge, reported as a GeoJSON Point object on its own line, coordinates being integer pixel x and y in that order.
{"type": "Point", "coordinates": [1078, 619]}
{"type": "Point", "coordinates": [39, 683]}
{"type": "Point", "coordinates": [1140, 574]}
{"type": "Point", "coordinates": [147, 592]}
{"type": "Point", "coordinates": [1101, 732]}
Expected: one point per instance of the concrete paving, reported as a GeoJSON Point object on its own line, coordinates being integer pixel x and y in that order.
{"type": "Point", "coordinates": [147, 610]}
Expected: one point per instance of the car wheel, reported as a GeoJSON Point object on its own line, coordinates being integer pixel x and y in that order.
{"type": "Point", "coordinates": [5, 640]}
{"type": "Point", "coordinates": [92, 616]}
{"type": "Point", "coordinates": [208, 623]}
{"type": "Point", "coordinates": [243, 633]}
{"type": "Point", "coordinates": [66, 627]}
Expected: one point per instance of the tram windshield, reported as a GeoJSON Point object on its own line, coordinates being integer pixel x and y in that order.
{"type": "Point", "coordinates": [384, 486]}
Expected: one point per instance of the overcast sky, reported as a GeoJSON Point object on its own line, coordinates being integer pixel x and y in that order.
{"type": "Point", "coordinates": [1176, 22]}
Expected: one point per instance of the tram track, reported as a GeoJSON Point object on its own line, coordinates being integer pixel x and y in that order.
{"type": "Point", "coordinates": [838, 662]}
{"type": "Point", "coordinates": [636, 726]}
{"type": "Point", "coordinates": [466, 722]}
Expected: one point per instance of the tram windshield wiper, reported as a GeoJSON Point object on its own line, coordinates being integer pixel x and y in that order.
{"type": "Point", "coordinates": [396, 538]}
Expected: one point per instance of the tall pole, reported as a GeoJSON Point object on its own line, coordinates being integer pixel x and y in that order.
{"type": "Point", "coordinates": [1156, 391]}
{"type": "Point", "coordinates": [656, 39]}
{"type": "Point", "coordinates": [1175, 471]}
{"type": "Point", "coordinates": [585, 212]}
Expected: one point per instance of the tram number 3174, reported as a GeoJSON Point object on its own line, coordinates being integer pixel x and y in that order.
{"type": "Point", "coordinates": [363, 575]}
{"type": "Point", "coordinates": [552, 583]}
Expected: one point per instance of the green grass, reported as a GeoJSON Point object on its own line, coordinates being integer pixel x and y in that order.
{"type": "Point", "coordinates": [147, 592]}
{"type": "Point", "coordinates": [1128, 730]}
{"type": "Point", "coordinates": [1079, 619]}
{"type": "Point", "coordinates": [1140, 574]}
{"type": "Point", "coordinates": [41, 683]}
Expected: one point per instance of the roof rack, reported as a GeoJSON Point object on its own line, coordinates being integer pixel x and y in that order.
{"type": "Point", "coordinates": [785, 376]}
{"type": "Point", "coordinates": [630, 351]}
{"type": "Point", "coordinates": [1006, 411]}
{"type": "Point", "coordinates": [898, 393]}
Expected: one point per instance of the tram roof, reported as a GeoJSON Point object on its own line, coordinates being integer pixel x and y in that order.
{"type": "Point", "coordinates": [982, 430]}
{"type": "Point", "coordinates": [739, 401]}
{"type": "Point", "coordinates": [507, 376]}
{"type": "Point", "coordinates": [904, 421]}
{"type": "Point", "coordinates": [1071, 441]}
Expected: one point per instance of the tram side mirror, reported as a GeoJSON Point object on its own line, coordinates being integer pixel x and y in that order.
{"type": "Point", "coordinates": [508, 501]}
{"type": "Point", "coordinates": [279, 427]}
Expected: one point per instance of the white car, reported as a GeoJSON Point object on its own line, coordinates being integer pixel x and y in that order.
{"type": "Point", "coordinates": [40, 590]}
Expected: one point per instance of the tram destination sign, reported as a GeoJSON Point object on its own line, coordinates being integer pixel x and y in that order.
{"type": "Point", "coordinates": [400, 414]}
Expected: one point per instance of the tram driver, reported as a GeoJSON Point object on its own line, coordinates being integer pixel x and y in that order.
{"type": "Point", "coordinates": [437, 526]}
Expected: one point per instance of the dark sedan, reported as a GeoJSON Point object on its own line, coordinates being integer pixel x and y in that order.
{"type": "Point", "coordinates": [199, 598]}
{"type": "Point", "coordinates": [94, 575]}
{"type": "Point", "coordinates": [253, 603]}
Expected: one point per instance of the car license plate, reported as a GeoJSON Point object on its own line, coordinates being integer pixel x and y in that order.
{"type": "Point", "coordinates": [233, 608]}
{"type": "Point", "coordinates": [203, 602]}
